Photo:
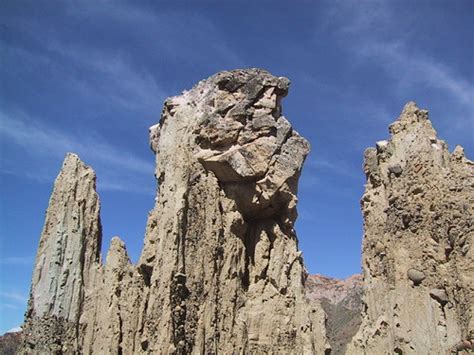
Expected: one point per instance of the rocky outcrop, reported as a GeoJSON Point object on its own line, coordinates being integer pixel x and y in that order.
{"type": "Point", "coordinates": [417, 250]}
{"type": "Point", "coordinates": [342, 302]}
{"type": "Point", "coordinates": [220, 249]}
{"type": "Point", "coordinates": [66, 261]}
{"type": "Point", "coordinates": [220, 270]}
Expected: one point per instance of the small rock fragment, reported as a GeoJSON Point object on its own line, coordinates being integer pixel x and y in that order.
{"type": "Point", "coordinates": [415, 275]}
{"type": "Point", "coordinates": [439, 295]}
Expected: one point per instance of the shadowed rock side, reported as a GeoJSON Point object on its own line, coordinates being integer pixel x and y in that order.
{"type": "Point", "coordinates": [342, 302]}
{"type": "Point", "coordinates": [220, 270]}
{"type": "Point", "coordinates": [417, 250]}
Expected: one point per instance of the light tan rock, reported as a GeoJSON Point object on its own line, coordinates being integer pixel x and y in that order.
{"type": "Point", "coordinates": [226, 274]}
{"type": "Point", "coordinates": [66, 262]}
{"type": "Point", "coordinates": [220, 271]}
{"type": "Point", "coordinates": [417, 249]}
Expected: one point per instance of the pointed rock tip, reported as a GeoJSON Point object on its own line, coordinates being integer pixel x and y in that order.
{"type": "Point", "coordinates": [72, 161]}
{"type": "Point", "coordinates": [410, 107]}
{"type": "Point", "coordinates": [117, 243]}
{"type": "Point", "coordinates": [458, 152]}
{"type": "Point", "coordinates": [71, 158]}
{"type": "Point", "coordinates": [410, 116]}
{"type": "Point", "coordinates": [117, 253]}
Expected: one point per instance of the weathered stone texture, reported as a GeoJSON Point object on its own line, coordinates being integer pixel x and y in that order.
{"type": "Point", "coordinates": [220, 246]}
{"type": "Point", "coordinates": [65, 265]}
{"type": "Point", "coordinates": [417, 250]}
{"type": "Point", "coordinates": [220, 270]}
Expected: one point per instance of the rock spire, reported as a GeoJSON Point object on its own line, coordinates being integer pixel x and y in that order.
{"type": "Point", "coordinates": [220, 249]}
{"type": "Point", "coordinates": [220, 271]}
{"type": "Point", "coordinates": [417, 255]}
{"type": "Point", "coordinates": [65, 265]}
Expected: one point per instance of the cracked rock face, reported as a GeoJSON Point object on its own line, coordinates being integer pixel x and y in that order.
{"type": "Point", "coordinates": [220, 271]}
{"type": "Point", "coordinates": [220, 247]}
{"type": "Point", "coordinates": [417, 251]}
{"type": "Point", "coordinates": [68, 252]}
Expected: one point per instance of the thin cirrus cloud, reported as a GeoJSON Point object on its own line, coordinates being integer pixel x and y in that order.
{"type": "Point", "coordinates": [117, 164]}
{"type": "Point", "coordinates": [416, 69]}
{"type": "Point", "coordinates": [163, 27]}
{"type": "Point", "coordinates": [110, 75]}
{"type": "Point", "coordinates": [397, 57]}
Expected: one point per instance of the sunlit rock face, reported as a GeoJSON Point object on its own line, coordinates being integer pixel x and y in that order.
{"type": "Point", "coordinates": [417, 250]}
{"type": "Point", "coordinates": [66, 262]}
{"type": "Point", "coordinates": [220, 270]}
{"type": "Point", "coordinates": [220, 249]}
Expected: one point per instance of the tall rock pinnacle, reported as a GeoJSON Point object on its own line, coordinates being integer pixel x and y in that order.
{"type": "Point", "coordinates": [220, 270]}
{"type": "Point", "coordinates": [225, 274]}
{"type": "Point", "coordinates": [67, 255]}
{"type": "Point", "coordinates": [418, 258]}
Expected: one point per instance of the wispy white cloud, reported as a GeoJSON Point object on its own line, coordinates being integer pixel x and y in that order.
{"type": "Point", "coordinates": [163, 26]}
{"type": "Point", "coordinates": [339, 167]}
{"type": "Point", "coordinates": [10, 306]}
{"type": "Point", "coordinates": [411, 69]}
{"type": "Point", "coordinates": [94, 73]}
{"type": "Point", "coordinates": [32, 135]}
{"type": "Point", "coordinates": [14, 330]}
{"type": "Point", "coordinates": [44, 141]}
{"type": "Point", "coordinates": [127, 186]}
{"type": "Point", "coordinates": [370, 31]}
{"type": "Point", "coordinates": [113, 76]}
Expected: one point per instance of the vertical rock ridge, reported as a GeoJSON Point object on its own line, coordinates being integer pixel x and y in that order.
{"type": "Point", "coordinates": [220, 240]}
{"type": "Point", "coordinates": [417, 249]}
{"type": "Point", "coordinates": [68, 252]}
{"type": "Point", "coordinates": [220, 270]}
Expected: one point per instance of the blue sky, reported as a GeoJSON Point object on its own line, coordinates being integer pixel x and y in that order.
{"type": "Point", "coordinates": [91, 76]}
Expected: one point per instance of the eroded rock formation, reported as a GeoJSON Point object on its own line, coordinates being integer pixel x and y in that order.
{"type": "Point", "coordinates": [220, 270]}
{"type": "Point", "coordinates": [417, 251]}
{"type": "Point", "coordinates": [68, 253]}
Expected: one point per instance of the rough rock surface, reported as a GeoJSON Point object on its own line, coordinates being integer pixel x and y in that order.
{"type": "Point", "coordinates": [225, 273]}
{"type": "Point", "coordinates": [67, 255]}
{"type": "Point", "coordinates": [342, 302]}
{"type": "Point", "coordinates": [220, 270]}
{"type": "Point", "coordinates": [417, 251]}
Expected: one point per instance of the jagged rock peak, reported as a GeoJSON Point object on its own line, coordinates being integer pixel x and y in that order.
{"type": "Point", "coordinates": [417, 249]}
{"type": "Point", "coordinates": [220, 240]}
{"type": "Point", "coordinates": [117, 256]}
{"type": "Point", "coordinates": [220, 261]}
{"type": "Point", "coordinates": [68, 251]}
